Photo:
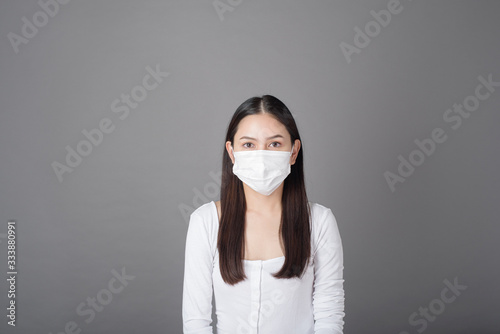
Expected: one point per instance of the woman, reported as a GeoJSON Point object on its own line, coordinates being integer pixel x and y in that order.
{"type": "Point", "coordinates": [273, 260]}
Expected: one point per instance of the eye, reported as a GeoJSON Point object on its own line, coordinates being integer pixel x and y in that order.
{"type": "Point", "coordinates": [276, 142]}
{"type": "Point", "coordinates": [246, 146]}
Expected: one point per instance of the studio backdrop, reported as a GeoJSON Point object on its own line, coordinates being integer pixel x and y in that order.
{"type": "Point", "coordinates": [112, 123]}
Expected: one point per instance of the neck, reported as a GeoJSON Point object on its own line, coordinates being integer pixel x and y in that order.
{"type": "Point", "coordinates": [256, 202]}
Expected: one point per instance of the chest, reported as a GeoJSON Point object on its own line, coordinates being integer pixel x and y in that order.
{"type": "Point", "coordinates": [262, 239]}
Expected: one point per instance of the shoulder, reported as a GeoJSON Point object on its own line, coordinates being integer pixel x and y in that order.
{"type": "Point", "coordinates": [205, 215]}
{"type": "Point", "coordinates": [204, 210]}
{"type": "Point", "coordinates": [324, 228]}
{"type": "Point", "coordinates": [322, 220]}
{"type": "Point", "coordinates": [203, 223]}
{"type": "Point", "coordinates": [319, 213]}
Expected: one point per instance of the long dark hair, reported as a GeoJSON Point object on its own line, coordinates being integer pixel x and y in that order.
{"type": "Point", "coordinates": [295, 226]}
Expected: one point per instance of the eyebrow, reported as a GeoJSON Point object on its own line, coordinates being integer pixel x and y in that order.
{"type": "Point", "coordinates": [275, 136]}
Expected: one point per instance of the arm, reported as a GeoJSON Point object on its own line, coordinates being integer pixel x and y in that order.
{"type": "Point", "coordinates": [328, 291]}
{"type": "Point", "coordinates": [197, 289]}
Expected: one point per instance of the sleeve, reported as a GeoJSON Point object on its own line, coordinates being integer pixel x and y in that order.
{"type": "Point", "coordinates": [197, 288]}
{"type": "Point", "coordinates": [328, 289]}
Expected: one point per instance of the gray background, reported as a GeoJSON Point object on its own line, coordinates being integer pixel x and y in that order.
{"type": "Point", "coordinates": [125, 205]}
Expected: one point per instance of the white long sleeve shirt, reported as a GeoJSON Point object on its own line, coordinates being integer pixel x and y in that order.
{"type": "Point", "coordinates": [262, 304]}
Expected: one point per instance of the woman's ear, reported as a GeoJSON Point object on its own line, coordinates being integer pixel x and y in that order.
{"type": "Point", "coordinates": [229, 150]}
{"type": "Point", "coordinates": [295, 151]}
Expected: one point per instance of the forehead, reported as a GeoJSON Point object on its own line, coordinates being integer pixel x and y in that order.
{"type": "Point", "coordinates": [260, 126]}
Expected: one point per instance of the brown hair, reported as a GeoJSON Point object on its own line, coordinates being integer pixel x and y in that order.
{"type": "Point", "coordinates": [295, 226]}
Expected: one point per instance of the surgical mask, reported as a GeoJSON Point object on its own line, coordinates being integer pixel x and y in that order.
{"type": "Point", "coordinates": [262, 170]}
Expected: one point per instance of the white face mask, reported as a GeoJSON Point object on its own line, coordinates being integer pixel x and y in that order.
{"type": "Point", "coordinates": [262, 170]}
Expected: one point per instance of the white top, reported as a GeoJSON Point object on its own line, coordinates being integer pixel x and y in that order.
{"type": "Point", "coordinates": [262, 304]}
